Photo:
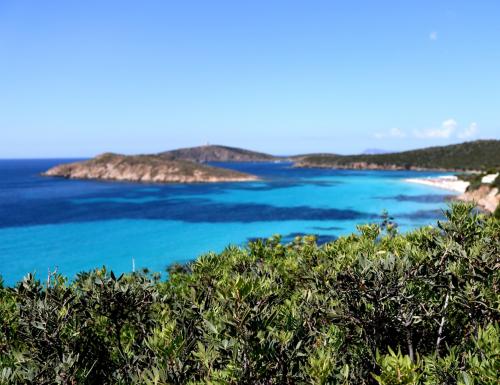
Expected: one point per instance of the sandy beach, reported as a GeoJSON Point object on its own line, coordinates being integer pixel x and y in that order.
{"type": "Point", "coordinates": [447, 182]}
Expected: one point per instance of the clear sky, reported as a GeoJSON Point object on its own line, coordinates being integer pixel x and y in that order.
{"type": "Point", "coordinates": [79, 78]}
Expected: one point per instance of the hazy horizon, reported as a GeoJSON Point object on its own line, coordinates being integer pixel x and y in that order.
{"type": "Point", "coordinates": [283, 77]}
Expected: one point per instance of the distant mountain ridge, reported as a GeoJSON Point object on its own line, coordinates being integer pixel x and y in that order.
{"type": "Point", "coordinates": [476, 155]}
{"type": "Point", "coordinates": [217, 153]}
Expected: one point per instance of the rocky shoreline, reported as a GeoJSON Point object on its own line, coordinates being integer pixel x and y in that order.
{"type": "Point", "coordinates": [146, 169]}
{"type": "Point", "coordinates": [373, 166]}
{"type": "Point", "coordinates": [486, 197]}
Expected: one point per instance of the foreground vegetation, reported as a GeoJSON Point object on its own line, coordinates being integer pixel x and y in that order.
{"type": "Point", "coordinates": [372, 308]}
{"type": "Point", "coordinates": [477, 155]}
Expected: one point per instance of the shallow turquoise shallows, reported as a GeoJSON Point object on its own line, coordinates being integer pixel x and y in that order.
{"type": "Point", "coordinates": [73, 225]}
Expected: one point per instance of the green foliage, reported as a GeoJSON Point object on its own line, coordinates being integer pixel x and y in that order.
{"type": "Point", "coordinates": [478, 363]}
{"type": "Point", "coordinates": [397, 369]}
{"type": "Point", "coordinates": [482, 362]}
{"type": "Point", "coordinates": [477, 155]}
{"type": "Point", "coordinates": [496, 213]}
{"type": "Point", "coordinates": [373, 307]}
{"type": "Point", "coordinates": [496, 182]}
{"type": "Point", "coordinates": [473, 179]}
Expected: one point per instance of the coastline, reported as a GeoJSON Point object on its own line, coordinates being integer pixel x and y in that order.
{"type": "Point", "coordinates": [376, 166]}
{"type": "Point", "coordinates": [146, 169]}
{"type": "Point", "coordinates": [446, 182]}
{"type": "Point", "coordinates": [485, 197]}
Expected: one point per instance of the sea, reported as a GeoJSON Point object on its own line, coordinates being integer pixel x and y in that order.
{"type": "Point", "coordinates": [49, 224]}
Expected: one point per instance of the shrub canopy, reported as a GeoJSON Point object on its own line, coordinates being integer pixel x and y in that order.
{"type": "Point", "coordinates": [372, 307]}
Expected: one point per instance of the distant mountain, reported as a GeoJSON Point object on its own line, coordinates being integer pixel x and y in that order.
{"type": "Point", "coordinates": [146, 168]}
{"type": "Point", "coordinates": [477, 155]}
{"type": "Point", "coordinates": [374, 151]}
{"type": "Point", "coordinates": [215, 153]}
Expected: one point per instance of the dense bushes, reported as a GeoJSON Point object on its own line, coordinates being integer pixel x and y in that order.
{"type": "Point", "coordinates": [475, 155]}
{"type": "Point", "coordinates": [496, 182]}
{"type": "Point", "coordinates": [475, 179]}
{"type": "Point", "coordinates": [378, 307]}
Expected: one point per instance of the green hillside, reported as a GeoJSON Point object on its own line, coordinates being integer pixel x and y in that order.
{"type": "Point", "coordinates": [216, 153]}
{"type": "Point", "coordinates": [477, 155]}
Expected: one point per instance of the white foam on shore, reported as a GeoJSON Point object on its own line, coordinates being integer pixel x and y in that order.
{"type": "Point", "coordinates": [446, 182]}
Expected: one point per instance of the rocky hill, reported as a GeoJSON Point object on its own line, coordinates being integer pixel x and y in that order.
{"type": "Point", "coordinates": [215, 153]}
{"type": "Point", "coordinates": [146, 168]}
{"type": "Point", "coordinates": [477, 155]}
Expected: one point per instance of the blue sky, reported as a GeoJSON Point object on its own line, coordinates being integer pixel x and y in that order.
{"type": "Point", "coordinates": [79, 78]}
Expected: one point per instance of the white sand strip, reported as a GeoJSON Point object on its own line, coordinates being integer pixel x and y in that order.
{"type": "Point", "coordinates": [490, 178]}
{"type": "Point", "coordinates": [448, 182]}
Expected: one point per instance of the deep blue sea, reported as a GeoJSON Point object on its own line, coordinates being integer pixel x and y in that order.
{"type": "Point", "coordinates": [75, 225]}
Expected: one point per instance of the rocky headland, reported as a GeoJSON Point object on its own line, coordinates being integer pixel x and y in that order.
{"type": "Point", "coordinates": [146, 168]}
{"type": "Point", "coordinates": [485, 195]}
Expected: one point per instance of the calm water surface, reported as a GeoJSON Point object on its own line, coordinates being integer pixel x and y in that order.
{"type": "Point", "coordinates": [79, 225]}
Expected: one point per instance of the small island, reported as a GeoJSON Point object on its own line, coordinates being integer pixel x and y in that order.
{"type": "Point", "coordinates": [146, 168]}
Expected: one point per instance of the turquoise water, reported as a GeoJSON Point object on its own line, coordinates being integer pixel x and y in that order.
{"type": "Point", "coordinates": [49, 223]}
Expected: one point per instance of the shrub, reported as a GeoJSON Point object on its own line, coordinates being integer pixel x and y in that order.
{"type": "Point", "coordinates": [373, 307]}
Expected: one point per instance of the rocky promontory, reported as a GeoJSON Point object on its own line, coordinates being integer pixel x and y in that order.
{"type": "Point", "coordinates": [484, 194]}
{"type": "Point", "coordinates": [146, 168]}
{"type": "Point", "coordinates": [487, 197]}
